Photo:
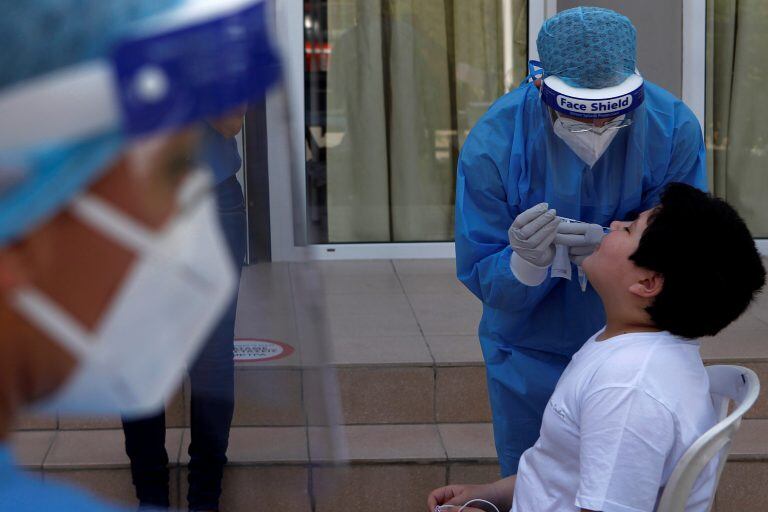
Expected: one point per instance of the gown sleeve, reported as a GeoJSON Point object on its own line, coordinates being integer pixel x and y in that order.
{"type": "Point", "coordinates": [484, 214]}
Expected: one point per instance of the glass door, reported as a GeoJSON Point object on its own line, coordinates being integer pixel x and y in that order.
{"type": "Point", "coordinates": [390, 91]}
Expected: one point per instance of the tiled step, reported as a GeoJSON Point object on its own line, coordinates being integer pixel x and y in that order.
{"type": "Point", "coordinates": [365, 394]}
{"type": "Point", "coordinates": [375, 394]}
{"type": "Point", "coordinates": [298, 469]}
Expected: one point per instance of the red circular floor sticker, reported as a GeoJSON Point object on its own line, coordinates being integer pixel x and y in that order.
{"type": "Point", "coordinates": [253, 350]}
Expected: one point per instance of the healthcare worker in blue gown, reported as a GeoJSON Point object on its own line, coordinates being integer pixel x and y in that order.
{"type": "Point", "coordinates": [586, 138]}
{"type": "Point", "coordinates": [114, 267]}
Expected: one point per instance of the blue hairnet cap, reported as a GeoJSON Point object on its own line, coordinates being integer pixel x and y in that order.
{"type": "Point", "coordinates": [42, 36]}
{"type": "Point", "coordinates": [588, 47]}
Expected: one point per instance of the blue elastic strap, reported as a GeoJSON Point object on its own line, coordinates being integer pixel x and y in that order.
{"type": "Point", "coordinates": [533, 73]}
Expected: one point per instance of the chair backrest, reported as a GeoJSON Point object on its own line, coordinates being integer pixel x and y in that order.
{"type": "Point", "coordinates": [726, 384]}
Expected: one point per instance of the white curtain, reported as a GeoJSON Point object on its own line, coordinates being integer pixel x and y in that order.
{"type": "Point", "coordinates": [406, 80]}
{"type": "Point", "coordinates": [737, 110]}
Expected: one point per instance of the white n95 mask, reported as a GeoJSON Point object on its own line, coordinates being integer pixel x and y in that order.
{"type": "Point", "coordinates": [168, 303]}
{"type": "Point", "coordinates": [588, 145]}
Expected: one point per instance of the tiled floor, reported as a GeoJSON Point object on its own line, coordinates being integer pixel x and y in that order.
{"type": "Point", "coordinates": [362, 313]}
{"type": "Point", "coordinates": [403, 312]}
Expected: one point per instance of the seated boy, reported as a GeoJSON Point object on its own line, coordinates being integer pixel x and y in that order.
{"type": "Point", "coordinates": [636, 395]}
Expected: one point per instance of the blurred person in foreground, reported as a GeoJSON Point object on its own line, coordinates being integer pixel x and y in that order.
{"type": "Point", "coordinates": [113, 266]}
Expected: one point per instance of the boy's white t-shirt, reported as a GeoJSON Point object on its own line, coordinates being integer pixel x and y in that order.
{"type": "Point", "coordinates": [622, 414]}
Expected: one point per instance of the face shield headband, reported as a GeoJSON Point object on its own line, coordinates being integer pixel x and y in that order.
{"type": "Point", "coordinates": [604, 103]}
{"type": "Point", "coordinates": [199, 60]}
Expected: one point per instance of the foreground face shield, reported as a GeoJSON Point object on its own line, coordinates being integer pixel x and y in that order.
{"type": "Point", "coordinates": [192, 64]}
{"type": "Point", "coordinates": [197, 61]}
{"type": "Point", "coordinates": [105, 142]}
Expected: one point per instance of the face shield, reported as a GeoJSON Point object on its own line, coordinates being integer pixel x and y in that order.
{"type": "Point", "coordinates": [581, 109]}
{"type": "Point", "coordinates": [124, 145]}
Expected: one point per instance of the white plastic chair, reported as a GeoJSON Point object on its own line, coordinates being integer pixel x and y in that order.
{"type": "Point", "coordinates": [726, 383]}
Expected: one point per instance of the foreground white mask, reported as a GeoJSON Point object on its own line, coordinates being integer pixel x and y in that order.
{"type": "Point", "coordinates": [171, 299]}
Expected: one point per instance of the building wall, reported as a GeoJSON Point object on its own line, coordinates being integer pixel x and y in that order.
{"type": "Point", "coordinates": [659, 26]}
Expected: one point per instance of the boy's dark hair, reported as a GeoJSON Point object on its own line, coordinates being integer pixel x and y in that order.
{"type": "Point", "coordinates": [711, 267]}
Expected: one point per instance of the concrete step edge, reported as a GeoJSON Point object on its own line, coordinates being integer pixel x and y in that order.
{"type": "Point", "coordinates": [442, 443]}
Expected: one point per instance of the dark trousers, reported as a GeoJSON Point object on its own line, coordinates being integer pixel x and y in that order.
{"type": "Point", "coordinates": [212, 400]}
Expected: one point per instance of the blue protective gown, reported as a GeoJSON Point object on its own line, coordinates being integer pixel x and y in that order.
{"type": "Point", "coordinates": [26, 492]}
{"type": "Point", "coordinates": [511, 161]}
